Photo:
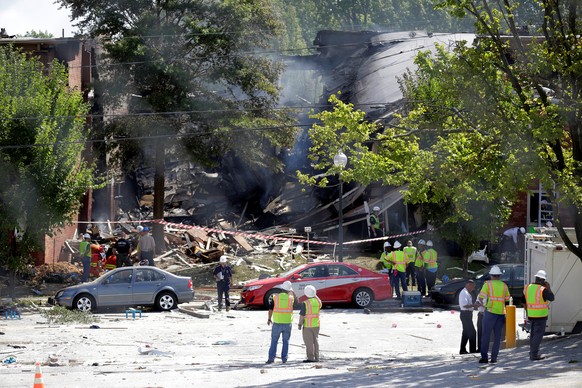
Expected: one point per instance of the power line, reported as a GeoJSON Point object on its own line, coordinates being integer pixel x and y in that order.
{"type": "Point", "coordinates": [147, 137]}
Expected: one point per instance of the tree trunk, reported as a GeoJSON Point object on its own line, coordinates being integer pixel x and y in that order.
{"type": "Point", "coordinates": [159, 193]}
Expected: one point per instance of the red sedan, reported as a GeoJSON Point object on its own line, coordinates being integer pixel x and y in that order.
{"type": "Point", "coordinates": [334, 282]}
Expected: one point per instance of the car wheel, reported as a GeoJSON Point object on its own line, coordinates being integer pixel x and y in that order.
{"type": "Point", "coordinates": [166, 301]}
{"type": "Point", "coordinates": [363, 297]}
{"type": "Point", "coordinates": [269, 297]}
{"type": "Point", "coordinates": [84, 302]}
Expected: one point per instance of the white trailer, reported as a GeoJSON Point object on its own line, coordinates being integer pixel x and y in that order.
{"type": "Point", "coordinates": [564, 273]}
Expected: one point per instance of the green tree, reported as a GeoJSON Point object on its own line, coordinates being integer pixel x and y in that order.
{"type": "Point", "coordinates": [42, 134]}
{"type": "Point", "coordinates": [37, 34]}
{"type": "Point", "coordinates": [198, 71]}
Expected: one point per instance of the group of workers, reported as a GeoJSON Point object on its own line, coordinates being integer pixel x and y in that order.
{"type": "Point", "coordinates": [409, 264]}
{"type": "Point", "coordinates": [97, 258]}
{"type": "Point", "coordinates": [490, 305]}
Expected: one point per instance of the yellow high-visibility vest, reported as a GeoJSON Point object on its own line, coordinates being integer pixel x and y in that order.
{"type": "Point", "coordinates": [385, 260]}
{"type": "Point", "coordinates": [409, 253]}
{"type": "Point", "coordinates": [537, 307]}
{"type": "Point", "coordinates": [283, 308]}
{"type": "Point", "coordinates": [430, 258]}
{"type": "Point", "coordinates": [312, 308]}
{"type": "Point", "coordinates": [497, 294]}
{"type": "Point", "coordinates": [398, 261]}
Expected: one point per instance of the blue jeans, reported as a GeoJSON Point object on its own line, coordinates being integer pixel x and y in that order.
{"type": "Point", "coordinates": [277, 330]}
{"type": "Point", "coordinates": [398, 280]}
{"type": "Point", "coordinates": [86, 260]}
{"type": "Point", "coordinates": [491, 323]}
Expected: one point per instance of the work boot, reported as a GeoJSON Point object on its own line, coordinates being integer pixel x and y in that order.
{"type": "Point", "coordinates": [219, 308]}
{"type": "Point", "coordinates": [227, 308]}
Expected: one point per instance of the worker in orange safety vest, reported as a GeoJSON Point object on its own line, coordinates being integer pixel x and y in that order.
{"type": "Point", "coordinates": [538, 296]}
{"type": "Point", "coordinates": [309, 320]}
{"type": "Point", "coordinates": [97, 256]}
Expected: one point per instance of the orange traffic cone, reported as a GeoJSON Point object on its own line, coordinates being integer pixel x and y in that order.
{"type": "Point", "coordinates": [38, 382]}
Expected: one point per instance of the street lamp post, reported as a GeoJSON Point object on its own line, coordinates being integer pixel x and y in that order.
{"type": "Point", "coordinates": [340, 160]}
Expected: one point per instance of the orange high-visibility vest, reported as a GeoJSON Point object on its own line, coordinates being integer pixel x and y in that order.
{"type": "Point", "coordinates": [537, 307]}
{"type": "Point", "coordinates": [312, 308]}
{"type": "Point", "coordinates": [283, 308]}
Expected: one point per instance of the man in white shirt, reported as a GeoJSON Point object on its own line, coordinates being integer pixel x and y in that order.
{"type": "Point", "coordinates": [466, 304]}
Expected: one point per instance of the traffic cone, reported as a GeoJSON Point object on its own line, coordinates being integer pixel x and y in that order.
{"type": "Point", "coordinates": [38, 381]}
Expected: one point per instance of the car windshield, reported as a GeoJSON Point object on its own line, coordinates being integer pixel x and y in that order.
{"type": "Point", "coordinates": [292, 270]}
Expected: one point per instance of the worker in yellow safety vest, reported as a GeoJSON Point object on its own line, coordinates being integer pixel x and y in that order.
{"type": "Point", "coordinates": [410, 252]}
{"type": "Point", "coordinates": [309, 320]}
{"type": "Point", "coordinates": [281, 317]}
{"type": "Point", "coordinates": [85, 253]}
{"type": "Point", "coordinates": [398, 269]}
{"type": "Point", "coordinates": [431, 264]}
{"type": "Point", "coordinates": [496, 293]}
{"type": "Point", "coordinates": [419, 268]}
{"type": "Point", "coordinates": [538, 296]}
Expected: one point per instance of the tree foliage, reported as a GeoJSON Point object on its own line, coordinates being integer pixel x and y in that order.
{"type": "Point", "coordinates": [42, 178]}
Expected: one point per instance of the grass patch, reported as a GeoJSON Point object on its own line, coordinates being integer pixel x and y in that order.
{"type": "Point", "coordinates": [62, 315]}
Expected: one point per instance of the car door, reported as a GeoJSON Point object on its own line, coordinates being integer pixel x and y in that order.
{"type": "Point", "coordinates": [316, 276]}
{"type": "Point", "coordinates": [341, 282]}
{"type": "Point", "coordinates": [116, 289]}
{"type": "Point", "coordinates": [146, 284]}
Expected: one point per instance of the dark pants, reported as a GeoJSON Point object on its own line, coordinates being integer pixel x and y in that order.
{"type": "Point", "coordinates": [86, 260]}
{"type": "Point", "coordinates": [421, 280]}
{"type": "Point", "coordinates": [492, 323]}
{"type": "Point", "coordinates": [149, 256]}
{"type": "Point", "coordinates": [479, 330]}
{"type": "Point", "coordinates": [469, 333]}
{"type": "Point", "coordinates": [538, 329]}
{"type": "Point", "coordinates": [397, 280]}
{"type": "Point", "coordinates": [123, 260]}
{"type": "Point", "coordinates": [222, 288]}
{"type": "Point", "coordinates": [430, 279]}
{"type": "Point", "coordinates": [410, 274]}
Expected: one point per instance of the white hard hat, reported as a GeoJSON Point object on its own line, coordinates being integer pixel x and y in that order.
{"type": "Point", "coordinates": [495, 270]}
{"type": "Point", "coordinates": [429, 243]}
{"type": "Point", "coordinates": [89, 226]}
{"type": "Point", "coordinates": [139, 228]}
{"type": "Point", "coordinates": [376, 209]}
{"type": "Point", "coordinates": [309, 291]}
{"type": "Point", "coordinates": [541, 274]}
{"type": "Point", "coordinates": [421, 242]}
{"type": "Point", "coordinates": [522, 230]}
{"type": "Point", "coordinates": [87, 235]}
{"type": "Point", "coordinates": [286, 285]}
{"type": "Point", "coordinates": [397, 244]}
{"type": "Point", "coordinates": [387, 244]}
{"type": "Point", "coordinates": [223, 259]}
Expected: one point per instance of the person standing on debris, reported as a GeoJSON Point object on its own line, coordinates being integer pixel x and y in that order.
{"type": "Point", "coordinates": [410, 253]}
{"type": "Point", "coordinates": [467, 306]}
{"type": "Point", "coordinates": [497, 294]}
{"type": "Point", "coordinates": [419, 268]}
{"type": "Point", "coordinates": [85, 252]}
{"type": "Point", "coordinates": [375, 226]}
{"type": "Point", "coordinates": [123, 248]}
{"type": "Point", "coordinates": [94, 231]}
{"type": "Point", "coordinates": [281, 318]}
{"type": "Point", "coordinates": [430, 261]}
{"type": "Point", "coordinates": [538, 296]}
{"type": "Point", "coordinates": [309, 320]}
{"type": "Point", "coordinates": [398, 269]}
{"type": "Point", "coordinates": [146, 247]}
{"type": "Point", "coordinates": [223, 275]}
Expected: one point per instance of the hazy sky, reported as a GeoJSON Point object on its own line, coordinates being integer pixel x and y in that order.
{"type": "Point", "coordinates": [20, 16]}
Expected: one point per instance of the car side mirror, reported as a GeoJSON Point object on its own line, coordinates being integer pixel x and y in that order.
{"type": "Point", "coordinates": [295, 276]}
